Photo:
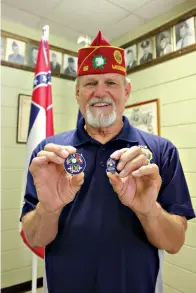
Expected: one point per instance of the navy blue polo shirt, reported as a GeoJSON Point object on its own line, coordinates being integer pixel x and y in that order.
{"type": "Point", "coordinates": [101, 246]}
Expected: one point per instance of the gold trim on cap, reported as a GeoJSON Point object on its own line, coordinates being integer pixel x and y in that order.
{"type": "Point", "coordinates": [102, 47]}
{"type": "Point", "coordinates": [86, 58]}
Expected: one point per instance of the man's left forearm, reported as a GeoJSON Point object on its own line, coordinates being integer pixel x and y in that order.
{"type": "Point", "coordinates": [163, 230]}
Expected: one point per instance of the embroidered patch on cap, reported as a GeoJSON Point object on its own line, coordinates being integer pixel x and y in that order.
{"type": "Point", "coordinates": [118, 56]}
{"type": "Point", "coordinates": [99, 61]}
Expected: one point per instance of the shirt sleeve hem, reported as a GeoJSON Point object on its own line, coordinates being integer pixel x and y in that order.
{"type": "Point", "coordinates": [180, 210]}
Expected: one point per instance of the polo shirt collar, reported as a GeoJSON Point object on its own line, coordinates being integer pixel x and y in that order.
{"type": "Point", "coordinates": [128, 133]}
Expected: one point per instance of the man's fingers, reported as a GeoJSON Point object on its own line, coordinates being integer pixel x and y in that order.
{"type": "Point", "coordinates": [60, 150]}
{"type": "Point", "coordinates": [117, 154]}
{"type": "Point", "coordinates": [133, 165]}
{"type": "Point", "coordinates": [52, 157]}
{"type": "Point", "coordinates": [151, 170]}
{"type": "Point", "coordinates": [56, 153]}
{"type": "Point", "coordinates": [128, 156]}
{"type": "Point", "coordinates": [37, 162]}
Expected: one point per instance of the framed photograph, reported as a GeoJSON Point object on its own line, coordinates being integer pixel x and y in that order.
{"type": "Point", "coordinates": [15, 51]}
{"type": "Point", "coordinates": [131, 56]}
{"type": "Point", "coordinates": [3, 43]}
{"type": "Point", "coordinates": [32, 52]}
{"type": "Point", "coordinates": [144, 116]}
{"type": "Point", "coordinates": [164, 43]}
{"type": "Point", "coordinates": [24, 107]}
{"type": "Point", "coordinates": [21, 53]}
{"type": "Point", "coordinates": [69, 65]}
{"type": "Point", "coordinates": [55, 61]}
{"type": "Point", "coordinates": [145, 51]}
{"type": "Point", "coordinates": [184, 33]}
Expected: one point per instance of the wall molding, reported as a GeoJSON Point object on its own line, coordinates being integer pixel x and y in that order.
{"type": "Point", "coordinates": [23, 287]}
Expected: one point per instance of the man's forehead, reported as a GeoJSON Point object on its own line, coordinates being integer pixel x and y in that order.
{"type": "Point", "coordinates": [102, 76]}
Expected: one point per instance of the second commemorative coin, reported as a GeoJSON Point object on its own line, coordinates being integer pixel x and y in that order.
{"type": "Point", "coordinates": [111, 166]}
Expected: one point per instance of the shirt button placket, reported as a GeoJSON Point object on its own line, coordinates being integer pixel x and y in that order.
{"type": "Point", "coordinates": [102, 164]}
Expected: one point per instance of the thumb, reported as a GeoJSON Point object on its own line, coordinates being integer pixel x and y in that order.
{"type": "Point", "coordinates": [77, 180]}
{"type": "Point", "coordinates": [115, 181]}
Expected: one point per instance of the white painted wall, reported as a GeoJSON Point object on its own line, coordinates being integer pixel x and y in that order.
{"type": "Point", "coordinates": [173, 82]}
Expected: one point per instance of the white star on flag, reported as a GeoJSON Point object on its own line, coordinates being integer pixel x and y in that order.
{"type": "Point", "coordinates": [35, 82]}
{"type": "Point", "coordinates": [44, 78]}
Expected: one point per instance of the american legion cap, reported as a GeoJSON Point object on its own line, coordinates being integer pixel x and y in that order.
{"type": "Point", "coordinates": [101, 57]}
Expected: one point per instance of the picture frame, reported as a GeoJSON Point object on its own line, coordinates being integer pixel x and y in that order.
{"type": "Point", "coordinates": [32, 52]}
{"type": "Point", "coordinates": [15, 51]}
{"type": "Point", "coordinates": [184, 34]}
{"type": "Point", "coordinates": [164, 43]}
{"type": "Point", "coordinates": [131, 56]}
{"type": "Point", "coordinates": [27, 54]}
{"type": "Point", "coordinates": [171, 51]}
{"type": "Point", "coordinates": [56, 61]}
{"type": "Point", "coordinates": [69, 65]}
{"type": "Point", "coordinates": [24, 107]}
{"type": "Point", "coordinates": [2, 48]}
{"type": "Point", "coordinates": [144, 116]}
{"type": "Point", "coordinates": [146, 51]}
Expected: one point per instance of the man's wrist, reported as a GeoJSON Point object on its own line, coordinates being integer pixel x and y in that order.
{"type": "Point", "coordinates": [41, 210]}
{"type": "Point", "coordinates": [154, 213]}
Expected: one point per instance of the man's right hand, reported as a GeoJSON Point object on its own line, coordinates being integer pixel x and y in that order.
{"type": "Point", "coordinates": [55, 187]}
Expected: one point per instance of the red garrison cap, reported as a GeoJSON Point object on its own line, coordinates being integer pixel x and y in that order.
{"type": "Point", "coordinates": [100, 57]}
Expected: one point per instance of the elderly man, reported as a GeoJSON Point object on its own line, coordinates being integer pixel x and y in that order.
{"type": "Point", "coordinates": [105, 228]}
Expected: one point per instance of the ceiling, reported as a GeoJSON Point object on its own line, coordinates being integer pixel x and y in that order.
{"type": "Point", "coordinates": [70, 19]}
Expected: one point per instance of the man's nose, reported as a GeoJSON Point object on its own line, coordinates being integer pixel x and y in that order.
{"type": "Point", "coordinates": [100, 91]}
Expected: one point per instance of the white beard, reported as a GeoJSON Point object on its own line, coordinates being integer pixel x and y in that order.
{"type": "Point", "coordinates": [100, 120]}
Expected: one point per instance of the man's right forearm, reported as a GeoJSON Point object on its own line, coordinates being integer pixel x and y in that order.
{"type": "Point", "coordinates": [40, 227]}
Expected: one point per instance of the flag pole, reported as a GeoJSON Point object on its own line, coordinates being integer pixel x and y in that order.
{"type": "Point", "coordinates": [45, 32]}
{"type": "Point", "coordinates": [34, 272]}
{"type": "Point", "coordinates": [45, 36]}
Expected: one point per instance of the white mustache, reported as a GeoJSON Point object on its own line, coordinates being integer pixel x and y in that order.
{"type": "Point", "coordinates": [100, 100]}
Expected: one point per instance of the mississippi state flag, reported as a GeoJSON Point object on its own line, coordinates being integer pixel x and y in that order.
{"type": "Point", "coordinates": [41, 113]}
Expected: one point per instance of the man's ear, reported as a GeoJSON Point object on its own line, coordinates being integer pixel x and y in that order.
{"type": "Point", "coordinates": [128, 88]}
{"type": "Point", "coordinates": [77, 93]}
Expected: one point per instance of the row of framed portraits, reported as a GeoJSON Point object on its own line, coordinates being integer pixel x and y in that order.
{"type": "Point", "coordinates": [166, 42]}
{"type": "Point", "coordinates": [22, 53]}
{"type": "Point", "coordinates": [175, 38]}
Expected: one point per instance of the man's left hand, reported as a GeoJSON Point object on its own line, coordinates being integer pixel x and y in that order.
{"type": "Point", "coordinates": [138, 182]}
